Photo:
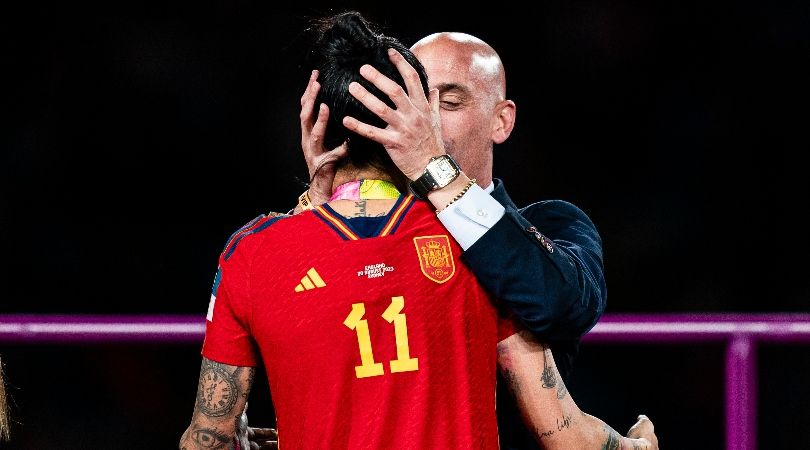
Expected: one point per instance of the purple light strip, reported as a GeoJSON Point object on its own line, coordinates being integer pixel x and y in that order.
{"type": "Point", "coordinates": [82, 329]}
{"type": "Point", "coordinates": [699, 328]}
{"type": "Point", "coordinates": [612, 328]}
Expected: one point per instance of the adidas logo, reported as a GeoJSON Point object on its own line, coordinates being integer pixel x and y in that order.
{"type": "Point", "coordinates": [310, 281]}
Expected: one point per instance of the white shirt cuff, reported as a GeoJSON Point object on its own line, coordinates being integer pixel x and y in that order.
{"type": "Point", "coordinates": [469, 217]}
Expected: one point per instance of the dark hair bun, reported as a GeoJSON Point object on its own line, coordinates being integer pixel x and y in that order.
{"type": "Point", "coordinates": [347, 39]}
{"type": "Point", "coordinates": [342, 44]}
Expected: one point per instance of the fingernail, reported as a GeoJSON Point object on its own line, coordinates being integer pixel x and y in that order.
{"type": "Point", "coordinates": [391, 52]}
{"type": "Point", "coordinates": [314, 73]}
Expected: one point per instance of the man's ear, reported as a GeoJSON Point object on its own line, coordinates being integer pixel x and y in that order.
{"type": "Point", "coordinates": [503, 121]}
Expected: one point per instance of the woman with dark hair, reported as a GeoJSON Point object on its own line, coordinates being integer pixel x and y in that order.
{"type": "Point", "coordinates": [372, 331]}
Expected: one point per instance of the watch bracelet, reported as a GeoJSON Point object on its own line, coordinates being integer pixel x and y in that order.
{"type": "Point", "coordinates": [461, 193]}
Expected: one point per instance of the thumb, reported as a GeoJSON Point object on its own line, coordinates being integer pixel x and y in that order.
{"type": "Point", "coordinates": [341, 151]}
{"type": "Point", "coordinates": [642, 428]}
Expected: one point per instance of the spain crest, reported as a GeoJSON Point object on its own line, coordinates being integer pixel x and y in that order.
{"type": "Point", "coordinates": [435, 257]}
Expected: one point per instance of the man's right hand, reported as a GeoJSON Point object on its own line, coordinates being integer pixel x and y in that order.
{"type": "Point", "coordinates": [320, 160]}
{"type": "Point", "coordinates": [262, 438]}
{"type": "Point", "coordinates": [250, 438]}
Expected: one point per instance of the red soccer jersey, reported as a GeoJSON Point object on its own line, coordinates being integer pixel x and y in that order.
{"type": "Point", "coordinates": [383, 342]}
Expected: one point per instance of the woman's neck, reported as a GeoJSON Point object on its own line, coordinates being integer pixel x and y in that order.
{"type": "Point", "coordinates": [360, 208]}
{"type": "Point", "coordinates": [349, 173]}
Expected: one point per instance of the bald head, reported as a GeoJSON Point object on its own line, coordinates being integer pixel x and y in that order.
{"type": "Point", "coordinates": [468, 53]}
{"type": "Point", "coordinates": [471, 81]}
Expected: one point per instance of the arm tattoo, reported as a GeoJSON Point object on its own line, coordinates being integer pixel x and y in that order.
{"type": "Point", "coordinates": [210, 438]}
{"type": "Point", "coordinates": [217, 391]}
{"type": "Point", "coordinates": [565, 422]}
{"type": "Point", "coordinates": [549, 377]}
{"type": "Point", "coordinates": [251, 375]}
{"type": "Point", "coordinates": [543, 434]}
{"type": "Point", "coordinates": [221, 393]}
{"type": "Point", "coordinates": [562, 424]}
{"type": "Point", "coordinates": [561, 390]}
{"type": "Point", "coordinates": [614, 441]}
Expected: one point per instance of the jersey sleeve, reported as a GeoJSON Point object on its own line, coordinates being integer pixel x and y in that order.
{"type": "Point", "coordinates": [227, 332]}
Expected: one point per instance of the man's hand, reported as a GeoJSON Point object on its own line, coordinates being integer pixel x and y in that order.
{"type": "Point", "coordinates": [255, 438]}
{"type": "Point", "coordinates": [320, 160]}
{"type": "Point", "coordinates": [644, 429]}
{"type": "Point", "coordinates": [414, 133]}
{"type": "Point", "coordinates": [266, 439]}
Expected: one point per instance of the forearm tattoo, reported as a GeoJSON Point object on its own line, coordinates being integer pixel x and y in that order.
{"type": "Point", "coordinates": [561, 390]}
{"type": "Point", "coordinates": [613, 441]}
{"type": "Point", "coordinates": [550, 374]}
{"type": "Point", "coordinates": [218, 390]}
{"type": "Point", "coordinates": [221, 394]}
{"type": "Point", "coordinates": [210, 438]}
{"type": "Point", "coordinates": [562, 424]}
{"type": "Point", "coordinates": [251, 376]}
{"type": "Point", "coordinates": [549, 377]}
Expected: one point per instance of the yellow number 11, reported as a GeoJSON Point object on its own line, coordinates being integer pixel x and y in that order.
{"type": "Point", "coordinates": [369, 368]}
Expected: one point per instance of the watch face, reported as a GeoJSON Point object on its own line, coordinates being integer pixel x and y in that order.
{"type": "Point", "coordinates": [443, 172]}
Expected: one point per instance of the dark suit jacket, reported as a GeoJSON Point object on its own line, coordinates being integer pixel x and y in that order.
{"type": "Point", "coordinates": [544, 262]}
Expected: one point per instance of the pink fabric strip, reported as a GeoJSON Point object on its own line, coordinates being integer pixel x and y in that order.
{"type": "Point", "coordinates": [347, 191]}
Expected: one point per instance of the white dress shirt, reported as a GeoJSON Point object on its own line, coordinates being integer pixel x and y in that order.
{"type": "Point", "coordinates": [469, 217]}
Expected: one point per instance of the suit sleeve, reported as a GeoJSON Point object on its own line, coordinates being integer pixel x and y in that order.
{"type": "Point", "coordinates": [544, 262]}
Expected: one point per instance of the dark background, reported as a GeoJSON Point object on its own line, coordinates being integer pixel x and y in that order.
{"type": "Point", "coordinates": [136, 137]}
